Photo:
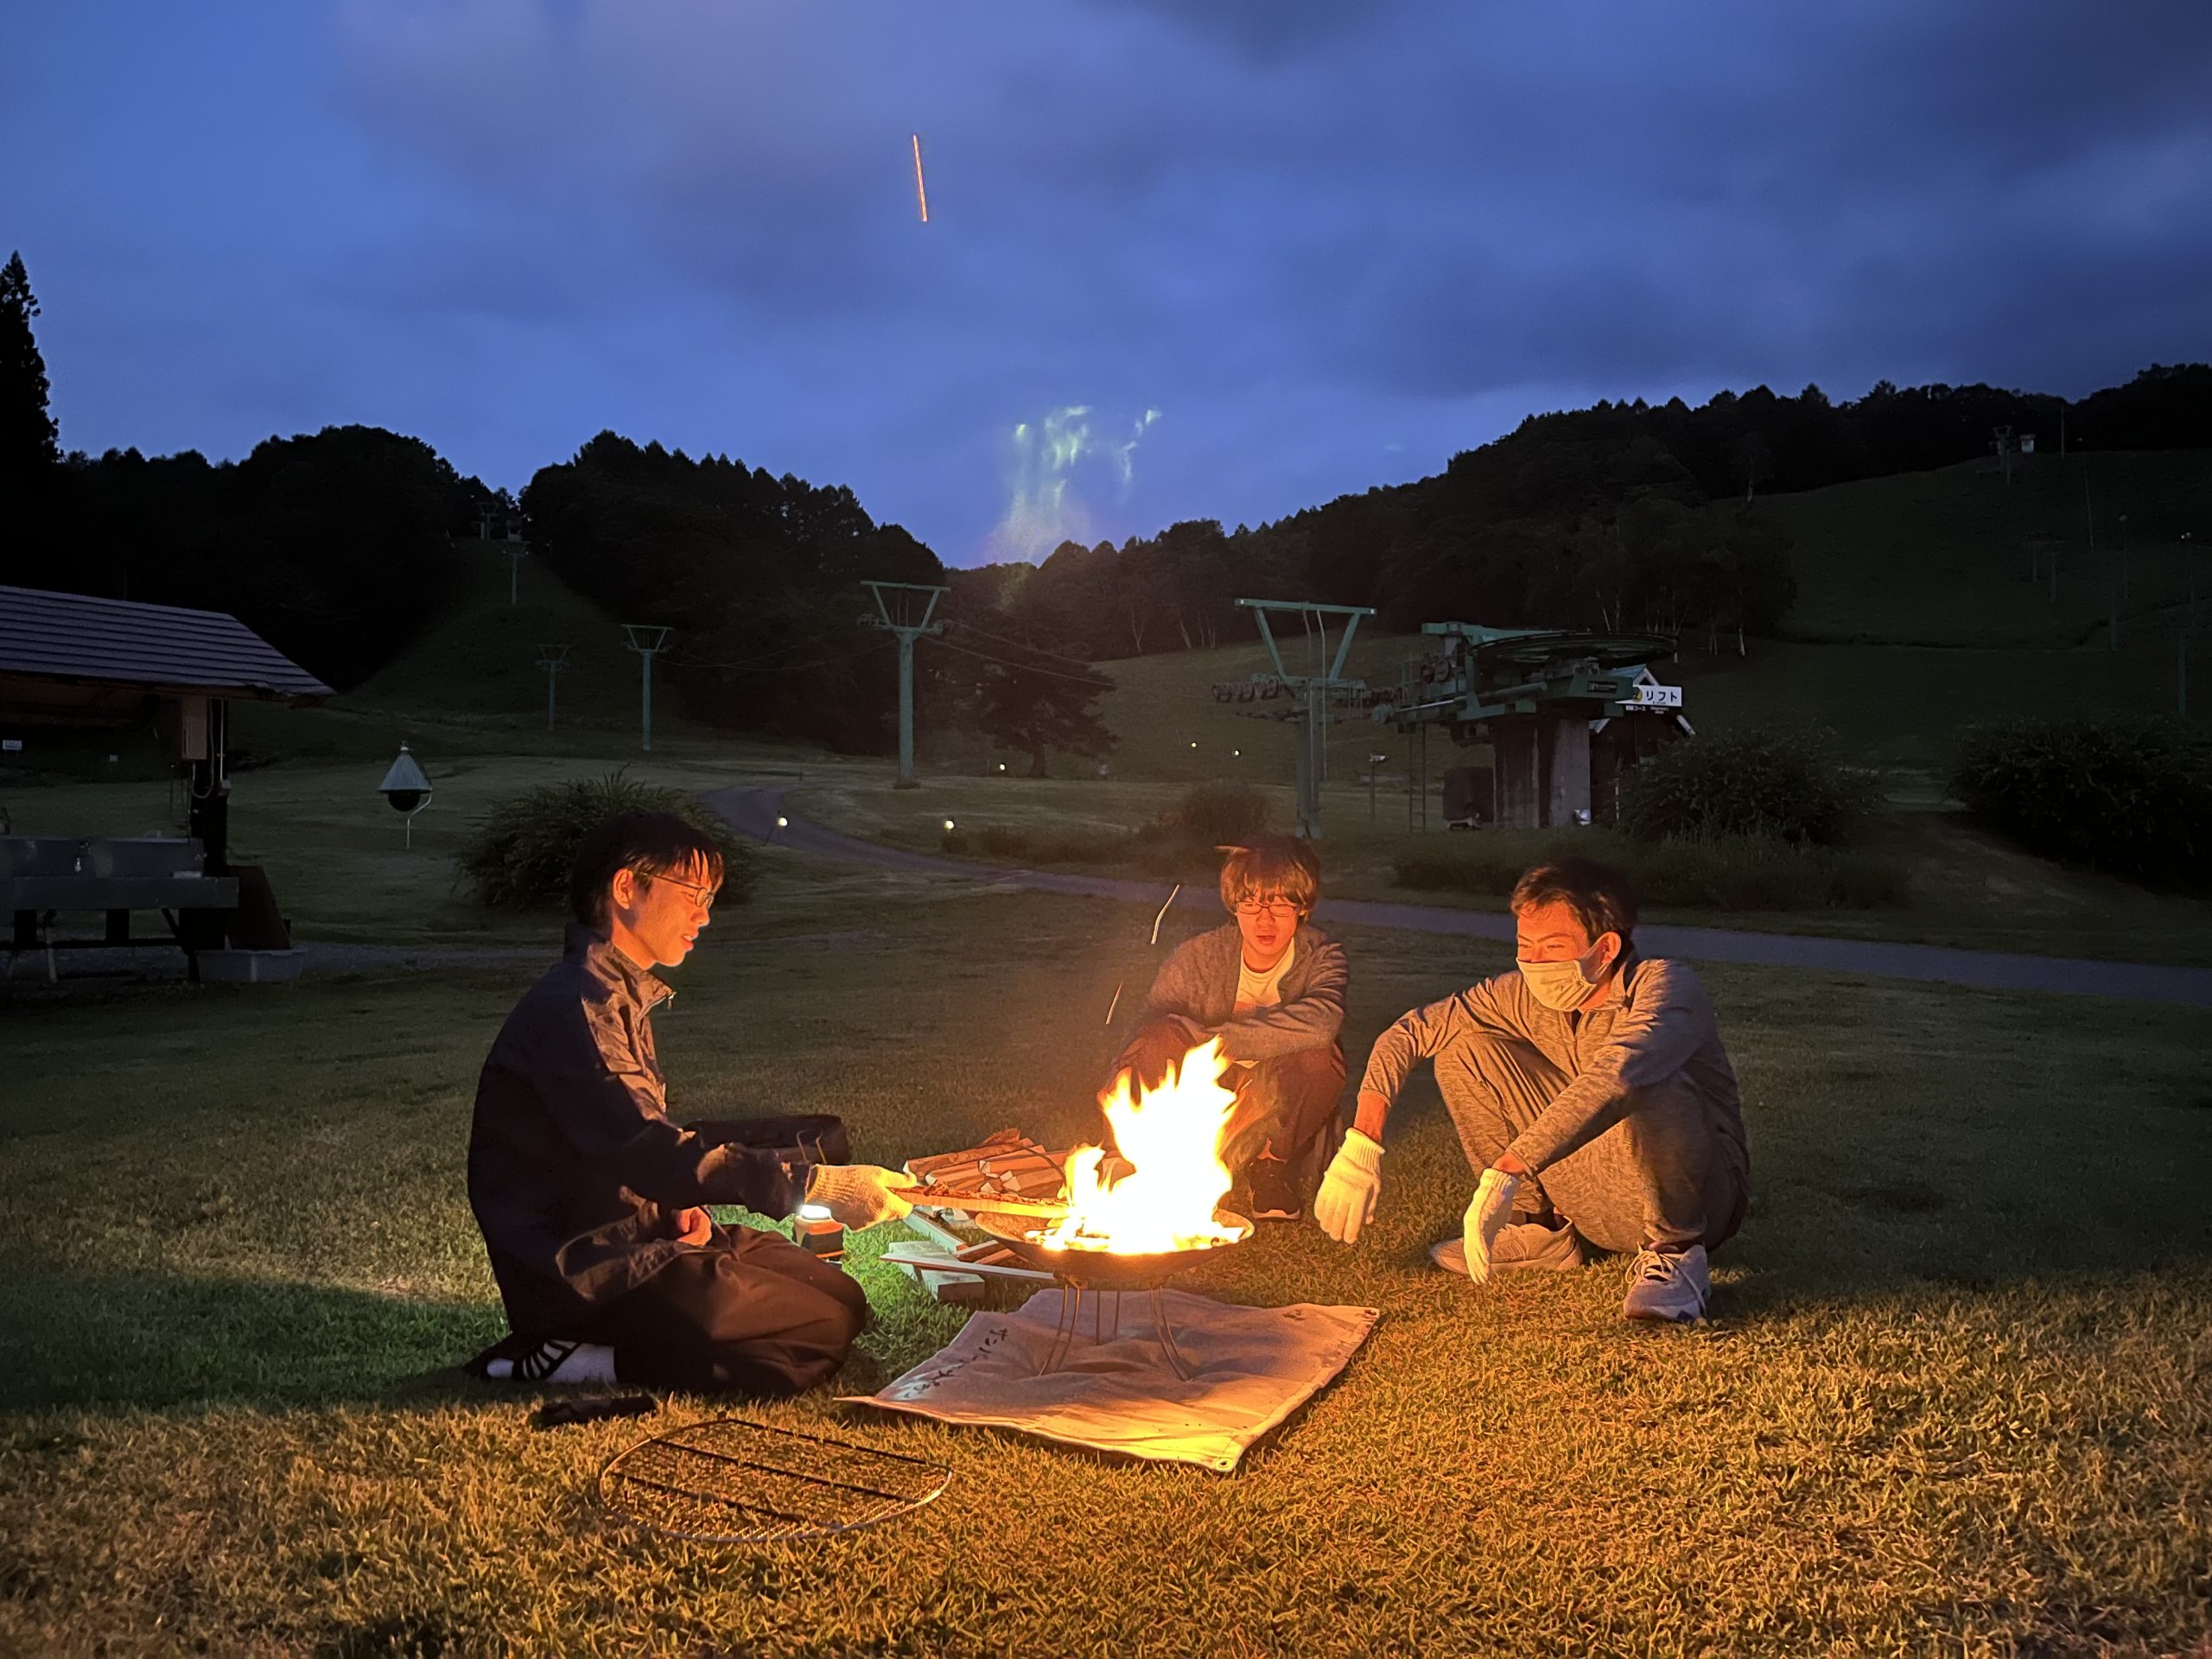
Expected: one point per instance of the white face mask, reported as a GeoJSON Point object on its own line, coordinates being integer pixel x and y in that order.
{"type": "Point", "coordinates": [1567, 985]}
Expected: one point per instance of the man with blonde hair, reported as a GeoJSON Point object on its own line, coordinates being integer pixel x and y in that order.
{"type": "Point", "coordinates": [1592, 1094]}
{"type": "Point", "coordinates": [1270, 985]}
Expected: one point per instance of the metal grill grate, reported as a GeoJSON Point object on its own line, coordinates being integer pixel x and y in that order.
{"type": "Point", "coordinates": [731, 1481]}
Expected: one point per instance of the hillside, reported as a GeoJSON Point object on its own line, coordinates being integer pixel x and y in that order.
{"type": "Point", "coordinates": [471, 678]}
{"type": "Point", "coordinates": [1896, 706]}
{"type": "Point", "coordinates": [1944, 558]}
{"type": "Point", "coordinates": [479, 659]}
{"type": "Point", "coordinates": [1915, 620]}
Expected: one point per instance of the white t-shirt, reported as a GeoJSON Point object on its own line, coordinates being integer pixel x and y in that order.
{"type": "Point", "coordinates": [1262, 990]}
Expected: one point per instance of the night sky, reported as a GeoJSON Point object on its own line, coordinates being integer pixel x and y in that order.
{"type": "Point", "coordinates": [1274, 249]}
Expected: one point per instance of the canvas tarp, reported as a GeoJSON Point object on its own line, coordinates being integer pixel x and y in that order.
{"type": "Point", "coordinates": [1251, 1367]}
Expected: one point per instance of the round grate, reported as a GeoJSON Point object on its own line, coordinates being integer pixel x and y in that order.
{"type": "Point", "coordinates": [731, 1481]}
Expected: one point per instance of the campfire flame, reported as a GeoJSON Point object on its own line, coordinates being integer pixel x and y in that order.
{"type": "Point", "coordinates": [1172, 1137]}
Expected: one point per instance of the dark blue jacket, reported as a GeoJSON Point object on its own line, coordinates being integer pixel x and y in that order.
{"type": "Point", "coordinates": [576, 1173]}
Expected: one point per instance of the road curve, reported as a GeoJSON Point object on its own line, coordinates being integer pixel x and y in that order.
{"type": "Point", "coordinates": [754, 811]}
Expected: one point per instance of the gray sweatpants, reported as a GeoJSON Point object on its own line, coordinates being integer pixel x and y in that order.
{"type": "Point", "coordinates": [1659, 1176]}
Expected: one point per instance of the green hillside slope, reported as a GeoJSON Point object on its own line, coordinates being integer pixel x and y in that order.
{"type": "Point", "coordinates": [1945, 557]}
{"type": "Point", "coordinates": [470, 683]}
{"type": "Point", "coordinates": [480, 659]}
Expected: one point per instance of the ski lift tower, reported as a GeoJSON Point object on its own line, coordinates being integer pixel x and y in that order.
{"type": "Point", "coordinates": [1312, 692]}
{"type": "Point", "coordinates": [904, 608]}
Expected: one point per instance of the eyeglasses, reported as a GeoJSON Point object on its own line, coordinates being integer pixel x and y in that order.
{"type": "Point", "coordinates": [1266, 906]}
{"type": "Point", "coordinates": [701, 895]}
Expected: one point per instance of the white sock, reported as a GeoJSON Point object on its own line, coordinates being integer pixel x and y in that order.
{"type": "Point", "coordinates": [584, 1362]}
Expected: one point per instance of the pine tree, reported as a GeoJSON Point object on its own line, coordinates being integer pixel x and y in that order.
{"type": "Point", "coordinates": [29, 440]}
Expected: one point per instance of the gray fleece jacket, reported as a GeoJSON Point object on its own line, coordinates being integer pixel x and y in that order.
{"type": "Point", "coordinates": [1658, 1026]}
{"type": "Point", "coordinates": [1199, 981]}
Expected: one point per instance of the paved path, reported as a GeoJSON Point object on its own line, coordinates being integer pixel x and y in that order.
{"type": "Point", "coordinates": [755, 810]}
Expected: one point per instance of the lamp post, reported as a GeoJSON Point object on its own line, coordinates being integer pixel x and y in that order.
{"type": "Point", "coordinates": [407, 790]}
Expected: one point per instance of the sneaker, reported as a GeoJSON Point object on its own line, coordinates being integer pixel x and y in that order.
{"type": "Point", "coordinates": [1520, 1244]}
{"type": "Point", "coordinates": [1669, 1285]}
{"type": "Point", "coordinates": [1274, 1197]}
{"type": "Point", "coordinates": [544, 1359]}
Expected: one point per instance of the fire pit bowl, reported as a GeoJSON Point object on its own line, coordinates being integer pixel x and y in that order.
{"type": "Point", "coordinates": [1103, 1273]}
{"type": "Point", "coordinates": [1105, 1269]}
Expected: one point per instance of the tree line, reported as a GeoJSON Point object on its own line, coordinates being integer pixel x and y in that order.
{"type": "Point", "coordinates": [761, 580]}
{"type": "Point", "coordinates": [1620, 516]}
{"type": "Point", "coordinates": [336, 546]}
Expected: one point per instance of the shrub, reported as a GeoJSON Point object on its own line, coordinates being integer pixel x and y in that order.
{"type": "Point", "coordinates": [1741, 873]}
{"type": "Point", "coordinates": [1179, 841]}
{"type": "Point", "coordinates": [518, 857]}
{"type": "Point", "coordinates": [1036, 847]}
{"type": "Point", "coordinates": [1787, 785]}
{"type": "Point", "coordinates": [1212, 815]}
{"type": "Point", "coordinates": [2129, 797]}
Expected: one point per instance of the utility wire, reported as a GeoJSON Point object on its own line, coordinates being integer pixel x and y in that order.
{"type": "Point", "coordinates": [1102, 682]}
{"type": "Point", "coordinates": [780, 664]}
{"type": "Point", "coordinates": [1019, 644]}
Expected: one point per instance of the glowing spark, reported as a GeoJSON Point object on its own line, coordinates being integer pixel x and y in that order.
{"type": "Point", "coordinates": [1162, 917]}
{"type": "Point", "coordinates": [921, 194]}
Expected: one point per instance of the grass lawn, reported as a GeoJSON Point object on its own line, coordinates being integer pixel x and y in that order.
{"type": "Point", "coordinates": [1958, 1398]}
{"type": "Point", "coordinates": [1967, 887]}
{"type": "Point", "coordinates": [339, 857]}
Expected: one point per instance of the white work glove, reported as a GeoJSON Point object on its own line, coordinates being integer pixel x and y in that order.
{"type": "Point", "coordinates": [1486, 1216]}
{"type": "Point", "coordinates": [858, 1195]}
{"type": "Point", "coordinates": [1346, 1201]}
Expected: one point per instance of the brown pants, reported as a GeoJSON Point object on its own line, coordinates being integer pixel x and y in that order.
{"type": "Point", "coordinates": [1286, 1107]}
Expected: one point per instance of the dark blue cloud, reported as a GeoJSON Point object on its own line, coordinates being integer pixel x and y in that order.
{"type": "Point", "coordinates": [1333, 243]}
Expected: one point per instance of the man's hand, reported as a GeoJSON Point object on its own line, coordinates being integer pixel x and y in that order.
{"type": "Point", "coordinates": [1486, 1216]}
{"type": "Point", "coordinates": [1162, 1045]}
{"type": "Point", "coordinates": [1346, 1201]}
{"type": "Point", "coordinates": [858, 1195]}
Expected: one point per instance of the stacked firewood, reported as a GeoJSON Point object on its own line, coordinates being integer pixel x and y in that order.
{"type": "Point", "coordinates": [953, 1261]}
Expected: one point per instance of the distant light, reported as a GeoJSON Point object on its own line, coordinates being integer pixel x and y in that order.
{"type": "Point", "coordinates": [783, 824]}
{"type": "Point", "coordinates": [948, 824]}
{"type": "Point", "coordinates": [1001, 765]}
{"type": "Point", "coordinates": [1194, 744]}
{"type": "Point", "coordinates": [1238, 753]}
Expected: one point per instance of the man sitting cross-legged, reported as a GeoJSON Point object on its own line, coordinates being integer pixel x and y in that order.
{"type": "Point", "coordinates": [1590, 1091]}
{"type": "Point", "coordinates": [1270, 985]}
{"type": "Point", "coordinates": [589, 1198]}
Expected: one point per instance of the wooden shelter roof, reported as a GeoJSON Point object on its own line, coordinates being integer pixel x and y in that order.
{"type": "Point", "coordinates": [84, 640]}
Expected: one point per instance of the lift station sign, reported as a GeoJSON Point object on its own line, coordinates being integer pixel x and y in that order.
{"type": "Point", "coordinates": [1658, 696]}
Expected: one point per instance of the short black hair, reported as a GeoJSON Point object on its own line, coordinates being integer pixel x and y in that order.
{"type": "Point", "coordinates": [651, 843]}
{"type": "Point", "coordinates": [1602, 898]}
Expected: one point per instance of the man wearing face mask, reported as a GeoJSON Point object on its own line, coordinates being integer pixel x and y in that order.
{"type": "Point", "coordinates": [1591, 1093]}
